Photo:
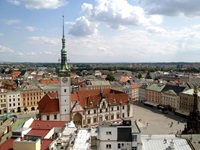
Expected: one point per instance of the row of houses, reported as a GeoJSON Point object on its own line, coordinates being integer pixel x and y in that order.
{"type": "Point", "coordinates": [178, 99]}
{"type": "Point", "coordinates": [25, 98]}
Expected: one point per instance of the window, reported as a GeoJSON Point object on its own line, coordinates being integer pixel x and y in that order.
{"type": "Point", "coordinates": [95, 119]}
{"type": "Point", "coordinates": [117, 115]}
{"type": "Point", "coordinates": [88, 121]}
{"type": "Point", "coordinates": [88, 112]}
{"type": "Point", "coordinates": [134, 137]}
{"type": "Point", "coordinates": [10, 105]}
{"type": "Point", "coordinates": [134, 148]}
{"type": "Point", "coordinates": [108, 146]}
{"type": "Point", "coordinates": [112, 117]}
{"type": "Point", "coordinates": [108, 132]}
{"type": "Point", "coordinates": [119, 145]}
{"type": "Point", "coordinates": [65, 90]}
{"type": "Point", "coordinates": [55, 116]}
{"type": "Point", "coordinates": [123, 107]}
{"type": "Point", "coordinates": [47, 117]}
{"type": "Point", "coordinates": [100, 110]}
{"type": "Point", "coordinates": [94, 111]}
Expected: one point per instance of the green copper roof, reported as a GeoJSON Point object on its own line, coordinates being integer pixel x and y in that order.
{"type": "Point", "coordinates": [156, 87]}
{"type": "Point", "coordinates": [64, 68]}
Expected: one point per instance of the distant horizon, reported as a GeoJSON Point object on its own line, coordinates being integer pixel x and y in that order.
{"type": "Point", "coordinates": [107, 62]}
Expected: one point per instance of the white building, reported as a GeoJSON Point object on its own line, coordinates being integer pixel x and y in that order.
{"type": "Point", "coordinates": [13, 101]}
{"type": "Point", "coordinates": [3, 107]}
{"type": "Point", "coordinates": [123, 135]}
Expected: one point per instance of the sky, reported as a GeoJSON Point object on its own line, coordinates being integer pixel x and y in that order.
{"type": "Point", "coordinates": [100, 30]}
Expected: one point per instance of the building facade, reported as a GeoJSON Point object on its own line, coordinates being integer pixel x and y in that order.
{"type": "Point", "coordinates": [118, 135]}
{"type": "Point", "coordinates": [153, 94]}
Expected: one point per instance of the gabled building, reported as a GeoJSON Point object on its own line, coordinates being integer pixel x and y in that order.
{"type": "Point", "coordinates": [170, 96]}
{"type": "Point", "coordinates": [89, 107]}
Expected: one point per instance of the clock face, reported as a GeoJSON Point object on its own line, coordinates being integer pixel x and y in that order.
{"type": "Point", "coordinates": [64, 80]}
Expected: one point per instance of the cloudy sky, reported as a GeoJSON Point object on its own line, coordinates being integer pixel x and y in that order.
{"type": "Point", "coordinates": [100, 30]}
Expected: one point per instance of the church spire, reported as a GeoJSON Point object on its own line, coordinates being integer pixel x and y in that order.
{"type": "Point", "coordinates": [64, 69]}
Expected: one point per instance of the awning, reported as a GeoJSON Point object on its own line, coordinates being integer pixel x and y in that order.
{"type": "Point", "coordinates": [151, 103]}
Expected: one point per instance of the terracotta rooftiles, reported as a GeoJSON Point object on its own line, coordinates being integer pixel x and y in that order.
{"type": "Point", "coordinates": [40, 132]}
{"type": "Point", "coordinates": [49, 104]}
{"type": "Point", "coordinates": [134, 86]}
{"type": "Point", "coordinates": [41, 124]}
{"type": "Point", "coordinates": [7, 145]}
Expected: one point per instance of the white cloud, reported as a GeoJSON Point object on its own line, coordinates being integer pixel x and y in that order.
{"type": "Point", "coordinates": [87, 9]}
{"type": "Point", "coordinates": [12, 21]}
{"type": "Point", "coordinates": [104, 51]}
{"type": "Point", "coordinates": [119, 13]}
{"type": "Point", "coordinates": [1, 34]}
{"type": "Point", "coordinates": [31, 28]}
{"type": "Point", "coordinates": [83, 27]}
{"type": "Point", "coordinates": [14, 2]}
{"type": "Point", "coordinates": [115, 14]}
{"type": "Point", "coordinates": [4, 49]}
{"type": "Point", "coordinates": [45, 40]}
{"type": "Point", "coordinates": [154, 29]}
{"type": "Point", "coordinates": [172, 7]}
{"type": "Point", "coordinates": [44, 4]}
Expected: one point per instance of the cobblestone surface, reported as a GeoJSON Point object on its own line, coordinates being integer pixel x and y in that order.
{"type": "Point", "coordinates": [153, 121]}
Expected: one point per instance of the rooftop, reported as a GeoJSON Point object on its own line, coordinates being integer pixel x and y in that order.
{"type": "Point", "coordinates": [163, 142]}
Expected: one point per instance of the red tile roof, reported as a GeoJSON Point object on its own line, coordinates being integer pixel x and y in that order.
{"type": "Point", "coordinates": [45, 144]}
{"type": "Point", "coordinates": [47, 125]}
{"type": "Point", "coordinates": [74, 97]}
{"type": "Point", "coordinates": [135, 86]}
{"type": "Point", "coordinates": [40, 132]}
{"type": "Point", "coordinates": [49, 104]}
{"type": "Point", "coordinates": [90, 98]}
{"type": "Point", "coordinates": [124, 79]}
{"type": "Point", "coordinates": [7, 145]}
{"type": "Point", "coordinates": [15, 74]}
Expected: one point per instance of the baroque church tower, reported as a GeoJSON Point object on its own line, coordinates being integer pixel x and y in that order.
{"type": "Point", "coordinates": [64, 83]}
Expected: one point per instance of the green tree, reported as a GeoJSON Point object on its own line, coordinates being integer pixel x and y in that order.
{"type": "Point", "coordinates": [139, 75]}
{"type": "Point", "coordinates": [148, 76]}
{"type": "Point", "coordinates": [110, 77]}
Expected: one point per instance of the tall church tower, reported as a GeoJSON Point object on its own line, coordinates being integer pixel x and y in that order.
{"type": "Point", "coordinates": [64, 83]}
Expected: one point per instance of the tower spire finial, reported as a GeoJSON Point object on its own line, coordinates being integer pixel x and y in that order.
{"type": "Point", "coordinates": [63, 26]}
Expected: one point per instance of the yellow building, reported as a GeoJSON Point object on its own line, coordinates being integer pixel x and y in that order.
{"type": "Point", "coordinates": [30, 142]}
{"type": "Point", "coordinates": [31, 95]}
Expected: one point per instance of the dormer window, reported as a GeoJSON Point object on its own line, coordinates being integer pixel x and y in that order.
{"type": "Point", "coordinates": [114, 100]}
{"type": "Point", "coordinates": [91, 104]}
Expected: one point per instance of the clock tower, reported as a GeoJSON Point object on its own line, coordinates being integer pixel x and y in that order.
{"type": "Point", "coordinates": [64, 83]}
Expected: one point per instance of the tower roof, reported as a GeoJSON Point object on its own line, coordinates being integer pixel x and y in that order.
{"type": "Point", "coordinates": [64, 68]}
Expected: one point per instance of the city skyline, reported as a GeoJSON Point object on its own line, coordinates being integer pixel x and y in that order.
{"type": "Point", "coordinates": [100, 30]}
